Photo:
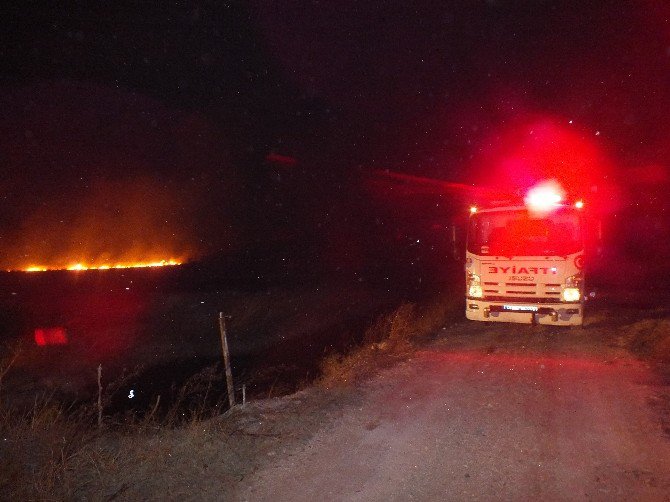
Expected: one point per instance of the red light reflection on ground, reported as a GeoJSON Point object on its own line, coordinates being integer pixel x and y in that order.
{"type": "Point", "coordinates": [522, 361]}
{"type": "Point", "coordinates": [50, 336]}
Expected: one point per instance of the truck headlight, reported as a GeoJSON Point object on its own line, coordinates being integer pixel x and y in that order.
{"type": "Point", "coordinates": [572, 291]}
{"type": "Point", "coordinates": [571, 295]}
{"type": "Point", "coordinates": [474, 285]}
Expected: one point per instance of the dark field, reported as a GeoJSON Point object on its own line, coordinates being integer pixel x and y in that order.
{"type": "Point", "coordinates": [152, 330]}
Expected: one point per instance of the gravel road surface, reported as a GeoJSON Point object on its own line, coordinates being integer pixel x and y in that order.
{"type": "Point", "coordinates": [504, 412]}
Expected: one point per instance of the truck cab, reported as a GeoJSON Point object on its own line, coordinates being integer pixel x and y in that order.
{"type": "Point", "coordinates": [525, 263]}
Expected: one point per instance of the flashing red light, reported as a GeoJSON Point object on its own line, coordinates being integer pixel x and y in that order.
{"type": "Point", "coordinates": [51, 336]}
{"type": "Point", "coordinates": [544, 196]}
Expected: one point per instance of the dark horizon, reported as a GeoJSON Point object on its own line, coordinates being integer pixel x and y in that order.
{"type": "Point", "coordinates": [246, 123]}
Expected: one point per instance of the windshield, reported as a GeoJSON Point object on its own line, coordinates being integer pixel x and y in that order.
{"type": "Point", "coordinates": [518, 233]}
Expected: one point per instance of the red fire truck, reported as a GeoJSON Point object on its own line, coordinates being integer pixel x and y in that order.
{"type": "Point", "coordinates": [525, 262]}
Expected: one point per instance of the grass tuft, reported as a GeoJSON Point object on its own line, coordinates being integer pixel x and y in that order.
{"type": "Point", "coordinates": [389, 339]}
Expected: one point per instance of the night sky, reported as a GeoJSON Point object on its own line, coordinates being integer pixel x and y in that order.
{"type": "Point", "coordinates": [154, 123]}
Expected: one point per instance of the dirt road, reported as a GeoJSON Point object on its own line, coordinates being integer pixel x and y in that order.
{"type": "Point", "coordinates": [487, 412]}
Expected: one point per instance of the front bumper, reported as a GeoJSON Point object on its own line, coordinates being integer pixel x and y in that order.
{"type": "Point", "coordinates": [560, 314]}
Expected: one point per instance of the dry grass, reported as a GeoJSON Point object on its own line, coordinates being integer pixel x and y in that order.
{"type": "Point", "coordinates": [391, 338]}
{"type": "Point", "coordinates": [649, 338]}
{"type": "Point", "coordinates": [52, 449]}
{"type": "Point", "coordinates": [37, 446]}
{"type": "Point", "coordinates": [11, 355]}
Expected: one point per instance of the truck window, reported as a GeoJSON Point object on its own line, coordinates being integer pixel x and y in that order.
{"type": "Point", "coordinates": [518, 233]}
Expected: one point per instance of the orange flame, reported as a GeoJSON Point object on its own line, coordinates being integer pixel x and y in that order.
{"type": "Point", "coordinates": [93, 266]}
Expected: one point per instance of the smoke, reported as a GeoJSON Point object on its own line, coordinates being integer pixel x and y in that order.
{"type": "Point", "coordinates": [125, 221]}
{"type": "Point", "coordinates": [100, 176]}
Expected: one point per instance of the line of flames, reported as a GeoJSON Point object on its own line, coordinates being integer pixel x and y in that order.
{"type": "Point", "coordinates": [85, 266]}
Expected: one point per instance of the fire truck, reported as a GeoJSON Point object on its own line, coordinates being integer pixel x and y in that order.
{"type": "Point", "coordinates": [524, 262]}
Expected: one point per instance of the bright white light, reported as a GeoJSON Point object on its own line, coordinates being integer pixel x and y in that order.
{"type": "Point", "coordinates": [474, 284]}
{"type": "Point", "coordinates": [473, 209]}
{"type": "Point", "coordinates": [545, 196]}
{"type": "Point", "coordinates": [571, 295]}
{"type": "Point", "coordinates": [579, 204]}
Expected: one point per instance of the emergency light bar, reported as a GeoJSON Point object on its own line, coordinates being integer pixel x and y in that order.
{"type": "Point", "coordinates": [544, 197]}
{"type": "Point", "coordinates": [541, 198]}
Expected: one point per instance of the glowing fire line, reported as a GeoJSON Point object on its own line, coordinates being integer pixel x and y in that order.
{"type": "Point", "coordinates": [84, 266]}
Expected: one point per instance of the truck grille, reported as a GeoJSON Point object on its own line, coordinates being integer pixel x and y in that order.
{"type": "Point", "coordinates": [522, 291]}
{"type": "Point", "coordinates": [521, 299]}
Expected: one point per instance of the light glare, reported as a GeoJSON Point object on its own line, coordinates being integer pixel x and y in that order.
{"type": "Point", "coordinates": [545, 196]}
{"type": "Point", "coordinates": [571, 294]}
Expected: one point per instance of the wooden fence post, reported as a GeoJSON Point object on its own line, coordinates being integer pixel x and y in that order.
{"type": "Point", "coordinates": [226, 359]}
